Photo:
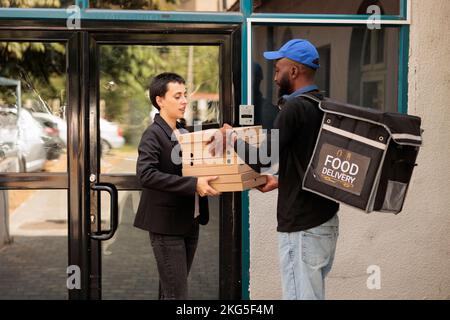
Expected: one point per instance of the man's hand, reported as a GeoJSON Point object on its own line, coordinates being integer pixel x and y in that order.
{"type": "Point", "coordinates": [218, 142]}
{"type": "Point", "coordinates": [271, 184]}
{"type": "Point", "coordinates": [203, 187]}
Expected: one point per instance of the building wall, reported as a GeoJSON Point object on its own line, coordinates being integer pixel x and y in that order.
{"type": "Point", "coordinates": [413, 248]}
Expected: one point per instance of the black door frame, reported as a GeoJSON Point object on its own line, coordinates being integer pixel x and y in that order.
{"type": "Point", "coordinates": [82, 118]}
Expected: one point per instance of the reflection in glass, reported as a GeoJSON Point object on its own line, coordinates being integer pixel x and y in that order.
{"type": "Point", "coordinates": [125, 107]}
{"type": "Point", "coordinates": [380, 40]}
{"type": "Point", "coordinates": [168, 5]}
{"type": "Point", "coordinates": [358, 65]}
{"type": "Point", "coordinates": [129, 267]}
{"type": "Point", "coordinates": [265, 110]}
{"type": "Point", "coordinates": [32, 106]}
{"type": "Point", "coordinates": [387, 7]}
{"type": "Point", "coordinates": [36, 3]}
{"type": "Point", "coordinates": [33, 244]}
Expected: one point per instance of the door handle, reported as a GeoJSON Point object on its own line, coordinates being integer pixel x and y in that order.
{"type": "Point", "coordinates": [114, 219]}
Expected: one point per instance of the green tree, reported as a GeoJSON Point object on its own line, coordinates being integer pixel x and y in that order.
{"type": "Point", "coordinates": [125, 72]}
{"type": "Point", "coordinates": [39, 66]}
{"type": "Point", "coordinates": [33, 3]}
{"type": "Point", "coordinates": [104, 4]}
{"type": "Point", "coordinates": [137, 4]}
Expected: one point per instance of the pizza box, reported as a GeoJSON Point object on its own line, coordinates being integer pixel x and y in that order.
{"type": "Point", "coordinates": [239, 186]}
{"type": "Point", "coordinates": [249, 134]}
{"type": "Point", "coordinates": [215, 170]}
{"type": "Point", "coordinates": [232, 172]}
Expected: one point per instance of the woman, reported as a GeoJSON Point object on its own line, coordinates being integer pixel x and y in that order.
{"type": "Point", "coordinates": [170, 208]}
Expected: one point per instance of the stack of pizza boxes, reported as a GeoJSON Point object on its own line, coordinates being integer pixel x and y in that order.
{"type": "Point", "coordinates": [232, 172]}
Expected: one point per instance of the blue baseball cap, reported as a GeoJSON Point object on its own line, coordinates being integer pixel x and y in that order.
{"type": "Point", "coordinates": [298, 50]}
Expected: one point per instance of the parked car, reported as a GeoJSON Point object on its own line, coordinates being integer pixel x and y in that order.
{"type": "Point", "coordinates": [31, 142]}
{"type": "Point", "coordinates": [57, 127]}
{"type": "Point", "coordinates": [111, 136]}
{"type": "Point", "coordinates": [52, 141]}
{"type": "Point", "coordinates": [9, 150]}
{"type": "Point", "coordinates": [23, 136]}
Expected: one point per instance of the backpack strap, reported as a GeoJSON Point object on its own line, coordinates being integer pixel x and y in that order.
{"type": "Point", "coordinates": [300, 170]}
{"type": "Point", "coordinates": [311, 97]}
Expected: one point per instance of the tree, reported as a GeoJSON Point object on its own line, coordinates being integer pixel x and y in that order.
{"type": "Point", "coordinates": [104, 4]}
{"type": "Point", "coordinates": [137, 4]}
{"type": "Point", "coordinates": [39, 66]}
{"type": "Point", "coordinates": [125, 72]}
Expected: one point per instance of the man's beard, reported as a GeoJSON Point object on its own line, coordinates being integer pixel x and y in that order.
{"type": "Point", "coordinates": [284, 86]}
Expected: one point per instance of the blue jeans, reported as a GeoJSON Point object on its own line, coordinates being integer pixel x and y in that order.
{"type": "Point", "coordinates": [306, 258]}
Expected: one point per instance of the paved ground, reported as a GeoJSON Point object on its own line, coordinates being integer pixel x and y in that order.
{"type": "Point", "coordinates": [34, 268]}
{"type": "Point", "coordinates": [34, 265]}
{"type": "Point", "coordinates": [134, 276]}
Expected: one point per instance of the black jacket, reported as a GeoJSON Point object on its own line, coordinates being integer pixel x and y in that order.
{"type": "Point", "coordinates": [168, 200]}
{"type": "Point", "coordinates": [298, 121]}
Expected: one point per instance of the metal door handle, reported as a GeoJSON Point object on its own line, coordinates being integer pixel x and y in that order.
{"type": "Point", "coordinates": [111, 189]}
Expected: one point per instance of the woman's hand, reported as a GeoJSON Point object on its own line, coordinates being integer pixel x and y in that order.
{"type": "Point", "coordinates": [203, 187]}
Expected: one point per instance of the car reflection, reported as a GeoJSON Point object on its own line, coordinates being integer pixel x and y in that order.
{"type": "Point", "coordinates": [31, 133]}
{"type": "Point", "coordinates": [24, 140]}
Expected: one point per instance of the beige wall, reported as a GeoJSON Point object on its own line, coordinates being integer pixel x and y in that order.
{"type": "Point", "coordinates": [413, 248]}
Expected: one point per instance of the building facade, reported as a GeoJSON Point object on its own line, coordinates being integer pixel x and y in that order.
{"type": "Point", "coordinates": [409, 251]}
{"type": "Point", "coordinates": [83, 69]}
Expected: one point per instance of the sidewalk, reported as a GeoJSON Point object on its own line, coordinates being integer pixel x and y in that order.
{"type": "Point", "coordinates": [34, 265]}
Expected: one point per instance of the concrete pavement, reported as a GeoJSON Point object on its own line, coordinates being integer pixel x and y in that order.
{"type": "Point", "coordinates": [34, 265]}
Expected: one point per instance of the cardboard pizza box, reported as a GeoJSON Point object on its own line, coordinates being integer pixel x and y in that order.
{"type": "Point", "coordinates": [236, 178]}
{"type": "Point", "coordinates": [202, 151]}
{"type": "Point", "coordinates": [221, 160]}
{"type": "Point", "coordinates": [239, 186]}
{"type": "Point", "coordinates": [233, 174]}
{"type": "Point", "coordinates": [215, 170]}
{"type": "Point", "coordinates": [249, 134]}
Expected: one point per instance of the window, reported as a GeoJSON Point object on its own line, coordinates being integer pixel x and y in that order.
{"type": "Point", "coordinates": [125, 107]}
{"type": "Point", "coordinates": [168, 5]}
{"type": "Point", "coordinates": [36, 97]}
{"type": "Point", "coordinates": [358, 65]}
{"type": "Point", "coordinates": [36, 3]}
{"type": "Point", "coordinates": [390, 7]}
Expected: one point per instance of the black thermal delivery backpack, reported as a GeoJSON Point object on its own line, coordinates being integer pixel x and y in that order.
{"type": "Point", "coordinates": [363, 157]}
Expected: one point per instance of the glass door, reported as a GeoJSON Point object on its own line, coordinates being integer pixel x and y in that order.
{"type": "Point", "coordinates": [73, 106]}
{"type": "Point", "coordinates": [40, 199]}
{"type": "Point", "coordinates": [121, 65]}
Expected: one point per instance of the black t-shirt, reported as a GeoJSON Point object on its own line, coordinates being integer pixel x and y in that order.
{"type": "Point", "coordinates": [299, 123]}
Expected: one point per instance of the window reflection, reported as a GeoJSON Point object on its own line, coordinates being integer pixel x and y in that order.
{"type": "Point", "coordinates": [168, 5]}
{"type": "Point", "coordinates": [32, 107]}
{"type": "Point", "coordinates": [36, 3]}
{"type": "Point", "coordinates": [125, 107]}
{"type": "Point", "coordinates": [358, 65]}
{"type": "Point", "coordinates": [388, 7]}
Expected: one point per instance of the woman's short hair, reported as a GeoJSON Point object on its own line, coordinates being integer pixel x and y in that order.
{"type": "Point", "coordinates": [158, 85]}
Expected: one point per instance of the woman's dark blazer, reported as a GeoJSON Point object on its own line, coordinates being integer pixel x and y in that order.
{"type": "Point", "coordinates": [168, 200]}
